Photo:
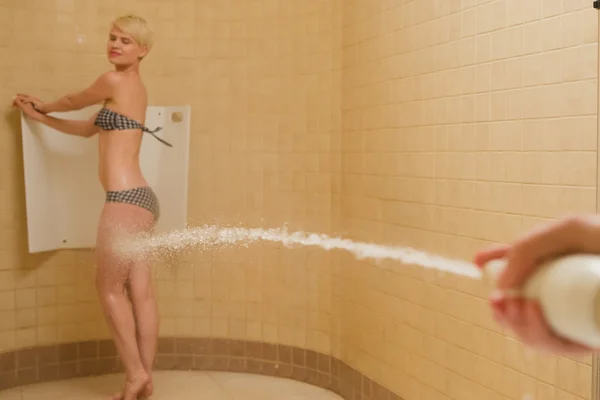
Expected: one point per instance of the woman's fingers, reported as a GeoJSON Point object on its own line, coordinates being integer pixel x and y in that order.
{"type": "Point", "coordinates": [30, 99]}
{"type": "Point", "coordinates": [27, 108]}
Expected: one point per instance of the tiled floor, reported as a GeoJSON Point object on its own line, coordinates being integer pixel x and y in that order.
{"type": "Point", "coordinates": [177, 385]}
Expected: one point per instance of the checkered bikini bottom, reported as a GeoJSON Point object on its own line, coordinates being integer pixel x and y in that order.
{"type": "Point", "coordinates": [142, 197]}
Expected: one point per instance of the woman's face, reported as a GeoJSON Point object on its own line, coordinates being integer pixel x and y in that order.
{"type": "Point", "coordinates": [122, 49]}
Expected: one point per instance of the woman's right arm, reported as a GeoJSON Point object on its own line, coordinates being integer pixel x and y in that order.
{"type": "Point", "coordinates": [71, 127]}
{"type": "Point", "coordinates": [101, 90]}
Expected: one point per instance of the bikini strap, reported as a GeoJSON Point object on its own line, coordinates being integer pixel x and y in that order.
{"type": "Point", "coordinates": [152, 132]}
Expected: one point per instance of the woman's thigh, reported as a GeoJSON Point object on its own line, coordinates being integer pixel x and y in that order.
{"type": "Point", "coordinates": [118, 222]}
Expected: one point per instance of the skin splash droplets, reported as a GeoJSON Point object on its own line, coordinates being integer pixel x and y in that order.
{"type": "Point", "coordinates": [210, 236]}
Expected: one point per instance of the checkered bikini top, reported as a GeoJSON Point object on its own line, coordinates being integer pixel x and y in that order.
{"type": "Point", "coordinates": [110, 120]}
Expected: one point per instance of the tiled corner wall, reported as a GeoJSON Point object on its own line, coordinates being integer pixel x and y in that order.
{"type": "Point", "coordinates": [264, 123]}
{"type": "Point", "coordinates": [464, 123]}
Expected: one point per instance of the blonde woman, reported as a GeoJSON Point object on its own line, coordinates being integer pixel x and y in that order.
{"type": "Point", "coordinates": [130, 203]}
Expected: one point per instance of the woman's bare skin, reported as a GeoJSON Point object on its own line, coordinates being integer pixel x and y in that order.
{"type": "Point", "coordinates": [120, 283]}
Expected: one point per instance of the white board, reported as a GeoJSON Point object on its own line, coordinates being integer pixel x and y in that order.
{"type": "Point", "coordinates": [63, 195]}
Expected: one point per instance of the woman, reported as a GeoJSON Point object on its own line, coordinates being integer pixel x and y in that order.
{"type": "Point", "coordinates": [130, 203]}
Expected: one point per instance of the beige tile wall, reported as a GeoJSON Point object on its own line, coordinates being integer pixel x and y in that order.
{"type": "Point", "coordinates": [266, 117]}
{"type": "Point", "coordinates": [464, 122]}
{"type": "Point", "coordinates": [264, 126]}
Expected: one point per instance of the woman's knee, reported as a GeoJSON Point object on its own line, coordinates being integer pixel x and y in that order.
{"type": "Point", "coordinates": [140, 286]}
{"type": "Point", "coordinates": [141, 292]}
{"type": "Point", "coordinates": [108, 289]}
{"type": "Point", "coordinates": [110, 282]}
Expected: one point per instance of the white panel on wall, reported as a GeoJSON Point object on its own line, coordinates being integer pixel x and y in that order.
{"type": "Point", "coordinates": [64, 197]}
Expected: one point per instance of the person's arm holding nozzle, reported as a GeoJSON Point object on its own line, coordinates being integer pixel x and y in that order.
{"type": "Point", "coordinates": [522, 316]}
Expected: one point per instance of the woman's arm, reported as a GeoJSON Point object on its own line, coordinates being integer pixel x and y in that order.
{"type": "Point", "coordinates": [101, 90]}
{"type": "Point", "coordinates": [71, 127]}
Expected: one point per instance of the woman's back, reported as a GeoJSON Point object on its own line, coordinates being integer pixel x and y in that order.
{"type": "Point", "coordinates": [119, 149]}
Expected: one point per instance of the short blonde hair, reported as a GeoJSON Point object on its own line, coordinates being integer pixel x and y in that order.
{"type": "Point", "coordinates": [137, 28]}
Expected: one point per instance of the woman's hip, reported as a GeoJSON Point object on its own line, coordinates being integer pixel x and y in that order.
{"type": "Point", "coordinates": [142, 197]}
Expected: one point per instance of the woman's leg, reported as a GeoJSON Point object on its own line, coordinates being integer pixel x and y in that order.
{"type": "Point", "coordinates": [112, 275]}
{"type": "Point", "coordinates": [145, 311]}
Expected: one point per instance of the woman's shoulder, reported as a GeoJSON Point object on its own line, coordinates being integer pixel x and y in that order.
{"type": "Point", "coordinates": [111, 77]}
{"type": "Point", "coordinates": [118, 78]}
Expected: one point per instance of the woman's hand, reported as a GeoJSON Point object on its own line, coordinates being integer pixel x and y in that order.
{"type": "Point", "coordinates": [37, 104]}
{"type": "Point", "coordinates": [522, 316]}
{"type": "Point", "coordinates": [27, 106]}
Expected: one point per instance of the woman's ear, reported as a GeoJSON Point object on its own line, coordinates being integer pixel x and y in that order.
{"type": "Point", "coordinates": [143, 54]}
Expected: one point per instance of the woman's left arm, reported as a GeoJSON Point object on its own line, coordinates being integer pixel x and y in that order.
{"type": "Point", "coordinates": [101, 90]}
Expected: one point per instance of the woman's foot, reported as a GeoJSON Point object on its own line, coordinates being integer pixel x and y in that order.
{"type": "Point", "coordinates": [146, 393]}
{"type": "Point", "coordinates": [134, 388]}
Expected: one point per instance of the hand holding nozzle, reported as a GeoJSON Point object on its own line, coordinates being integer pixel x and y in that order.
{"type": "Point", "coordinates": [548, 284]}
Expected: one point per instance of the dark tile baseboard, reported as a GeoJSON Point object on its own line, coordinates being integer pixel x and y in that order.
{"type": "Point", "coordinates": [72, 360]}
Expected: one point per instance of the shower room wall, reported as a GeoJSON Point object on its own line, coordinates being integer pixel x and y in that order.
{"type": "Point", "coordinates": [464, 124]}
